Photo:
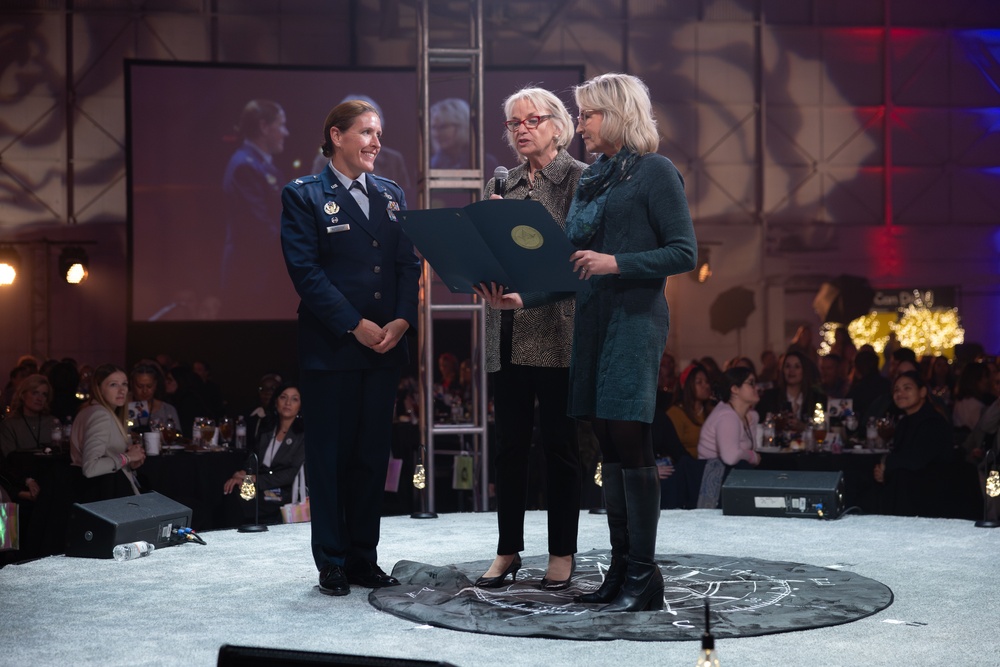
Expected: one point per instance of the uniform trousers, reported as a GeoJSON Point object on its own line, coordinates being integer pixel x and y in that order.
{"type": "Point", "coordinates": [349, 421]}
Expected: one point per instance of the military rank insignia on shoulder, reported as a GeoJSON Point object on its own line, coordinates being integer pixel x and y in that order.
{"type": "Point", "coordinates": [385, 180]}
{"type": "Point", "coordinates": [305, 179]}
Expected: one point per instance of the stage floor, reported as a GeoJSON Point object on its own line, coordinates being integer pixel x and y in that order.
{"type": "Point", "coordinates": [179, 605]}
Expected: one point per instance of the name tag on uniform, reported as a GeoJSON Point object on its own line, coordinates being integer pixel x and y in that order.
{"type": "Point", "coordinates": [333, 229]}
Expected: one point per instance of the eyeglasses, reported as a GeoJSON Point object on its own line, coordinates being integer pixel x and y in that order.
{"type": "Point", "coordinates": [750, 381]}
{"type": "Point", "coordinates": [531, 122]}
{"type": "Point", "coordinates": [586, 115]}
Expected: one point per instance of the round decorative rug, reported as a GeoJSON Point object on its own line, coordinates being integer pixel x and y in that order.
{"type": "Point", "coordinates": [747, 597]}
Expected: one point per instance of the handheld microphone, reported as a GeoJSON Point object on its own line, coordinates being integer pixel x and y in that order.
{"type": "Point", "coordinates": [500, 181]}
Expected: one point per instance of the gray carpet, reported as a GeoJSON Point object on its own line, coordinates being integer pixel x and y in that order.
{"type": "Point", "coordinates": [180, 604]}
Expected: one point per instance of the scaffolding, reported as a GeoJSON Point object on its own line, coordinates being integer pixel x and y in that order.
{"type": "Point", "coordinates": [450, 44]}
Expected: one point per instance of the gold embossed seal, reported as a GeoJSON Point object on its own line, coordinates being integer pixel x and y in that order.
{"type": "Point", "coordinates": [527, 237]}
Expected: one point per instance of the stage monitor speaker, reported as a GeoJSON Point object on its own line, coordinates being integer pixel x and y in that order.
{"type": "Point", "coordinates": [96, 528]}
{"type": "Point", "coordinates": [251, 656]}
{"type": "Point", "coordinates": [806, 494]}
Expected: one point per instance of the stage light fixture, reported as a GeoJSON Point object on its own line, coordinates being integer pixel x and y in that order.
{"type": "Point", "coordinates": [73, 264]}
{"type": "Point", "coordinates": [703, 269]}
{"type": "Point", "coordinates": [9, 262]}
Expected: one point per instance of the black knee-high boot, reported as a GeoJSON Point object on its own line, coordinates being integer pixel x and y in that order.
{"type": "Point", "coordinates": [643, 587]}
{"type": "Point", "coordinates": [614, 501]}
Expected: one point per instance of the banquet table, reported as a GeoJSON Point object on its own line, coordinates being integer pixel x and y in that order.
{"type": "Point", "coordinates": [194, 479]}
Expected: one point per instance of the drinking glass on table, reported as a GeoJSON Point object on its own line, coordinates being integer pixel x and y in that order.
{"type": "Point", "coordinates": [886, 430]}
{"type": "Point", "coordinates": [207, 431]}
{"type": "Point", "coordinates": [225, 431]}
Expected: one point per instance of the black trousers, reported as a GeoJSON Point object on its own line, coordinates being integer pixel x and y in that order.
{"type": "Point", "coordinates": [348, 424]}
{"type": "Point", "coordinates": [515, 389]}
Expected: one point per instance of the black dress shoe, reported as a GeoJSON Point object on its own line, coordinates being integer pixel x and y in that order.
{"type": "Point", "coordinates": [333, 581]}
{"type": "Point", "coordinates": [497, 582]}
{"type": "Point", "coordinates": [369, 574]}
{"type": "Point", "coordinates": [552, 585]}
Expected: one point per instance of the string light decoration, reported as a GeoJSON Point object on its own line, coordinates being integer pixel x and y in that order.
{"type": "Point", "coordinates": [826, 332]}
{"type": "Point", "coordinates": [419, 477]}
{"type": "Point", "coordinates": [993, 484]}
{"type": "Point", "coordinates": [248, 490]}
{"type": "Point", "coordinates": [867, 330]}
{"type": "Point", "coordinates": [928, 332]}
{"type": "Point", "coordinates": [991, 487]}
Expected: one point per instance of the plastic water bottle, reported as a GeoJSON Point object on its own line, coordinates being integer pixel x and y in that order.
{"type": "Point", "coordinates": [57, 433]}
{"type": "Point", "coordinates": [241, 433]}
{"type": "Point", "coordinates": [132, 550]}
{"type": "Point", "coordinates": [871, 434]}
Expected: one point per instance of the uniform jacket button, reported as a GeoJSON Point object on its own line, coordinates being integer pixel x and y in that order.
{"type": "Point", "coordinates": [378, 295]}
{"type": "Point", "coordinates": [377, 269]}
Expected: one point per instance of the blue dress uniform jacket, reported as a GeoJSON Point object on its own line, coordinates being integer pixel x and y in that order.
{"type": "Point", "coordinates": [346, 267]}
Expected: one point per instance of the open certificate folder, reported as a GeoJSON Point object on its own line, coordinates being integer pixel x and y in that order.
{"type": "Point", "coordinates": [512, 242]}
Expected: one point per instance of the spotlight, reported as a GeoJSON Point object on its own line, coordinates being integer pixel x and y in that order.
{"type": "Point", "coordinates": [703, 270]}
{"type": "Point", "coordinates": [73, 263]}
{"type": "Point", "coordinates": [9, 261]}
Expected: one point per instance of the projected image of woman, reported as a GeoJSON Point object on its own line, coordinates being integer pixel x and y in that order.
{"type": "Point", "coordinates": [251, 256]}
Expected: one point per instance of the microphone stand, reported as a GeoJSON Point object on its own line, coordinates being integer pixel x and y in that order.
{"type": "Point", "coordinates": [246, 489]}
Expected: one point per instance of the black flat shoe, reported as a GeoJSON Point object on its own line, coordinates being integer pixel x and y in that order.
{"type": "Point", "coordinates": [550, 585]}
{"type": "Point", "coordinates": [333, 581]}
{"type": "Point", "coordinates": [497, 582]}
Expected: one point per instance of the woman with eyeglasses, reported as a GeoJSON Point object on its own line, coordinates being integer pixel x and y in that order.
{"type": "Point", "coordinates": [728, 432]}
{"type": "Point", "coordinates": [528, 351]}
{"type": "Point", "coordinates": [630, 223]}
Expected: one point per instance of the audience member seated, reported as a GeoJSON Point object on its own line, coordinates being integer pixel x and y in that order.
{"type": "Point", "coordinates": [768, 375]}
{"type": "Point", "coordinates": [28, 427]}
{"type": "Point", "coordinates": [910, 474]}
{"type": "Point", "coordinates": [745, 362]}
{"type": "Point", "coordinates": [148, 387]}
{"type": "Point", "coordinates": [883, 407]}
{"type": "Point", "coordinates": [213, 392]}
{"type": "Point", "coordinates": [27, 430]}
{"type": "Point", "coordinates": [843, 347]}
{"type": "Point", "coordinates": [712, 368]}
{"type": "Point", "coordinates": [675, 436]}
{"type": "Point", "coordinates": [277, 455]}
{"type": "Point", "coordinates": [265, 395]}
{"type": "Point", "coordinates": [727, 436]}
{"type": "Point", "coordinates": [802, 342]}
{"type": "Point", "coordinates": [895, 358]}
{"type": "Point", "coordinates": [692, 406]}
{"type": "Point", "coordinates": [189, 398]}
{"type": "Point", "coordinates": [446, 387]}
{"type": "Point", "coordinates": [65, 380]}
{"type": "Point", "coordinates": [38, 483]}
{"type": "Point", "coordinates": [666, 382]}
{"type": "Point", "coordinates": [101, 449]}
{"type": "Point", "coordinates": [868, 384]}
{"type": "Point", "coordinates": [22, 370]}
{"type": "Point", "coordinates": [941, 382]}
{"type": "Point", "coordinates": [972, 395]}
{"type": "Point", "coordinates": [796, 394]}
{"type": "Point", "coordinates": [833, 376]}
